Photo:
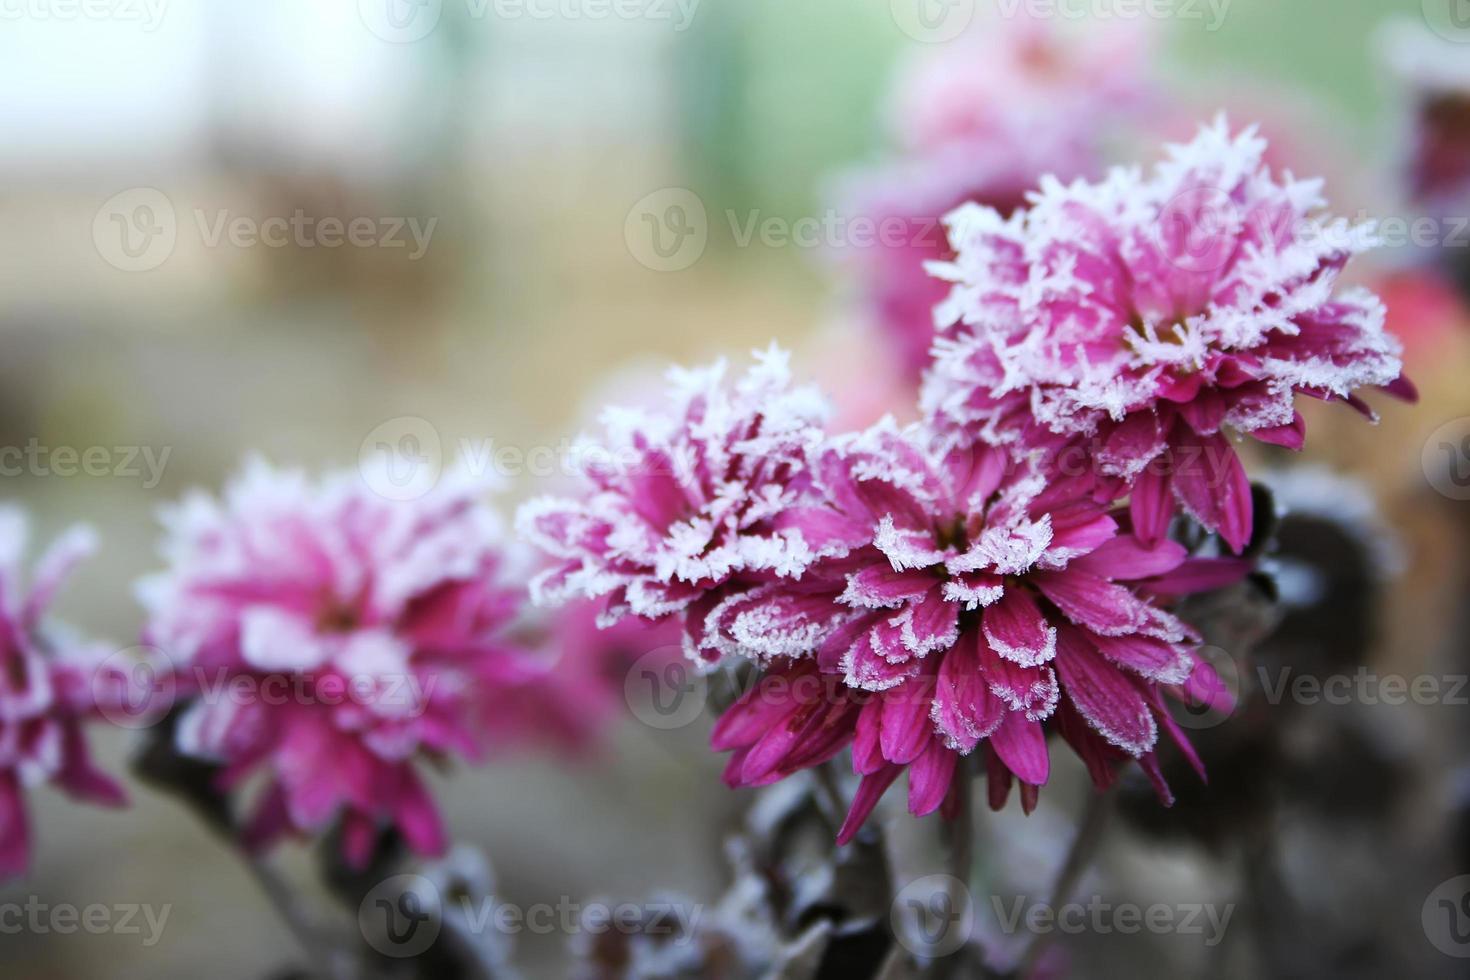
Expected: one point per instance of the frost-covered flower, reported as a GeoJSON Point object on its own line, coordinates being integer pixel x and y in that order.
{"type": "Point", "coordinates": [956, 602]}
{"type": "Point", "coordinates": [677, 498]}
{"type": "Point", "coordinates": [1143, 317]}
{"type": "Point", "coordinates": [50, 684]}
{"type": "Point", "coordinates": [982, 120]}
{"type": "Point", "coordinates": [333, 640]}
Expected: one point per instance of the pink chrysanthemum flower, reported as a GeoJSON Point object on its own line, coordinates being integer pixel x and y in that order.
{"type": "Point", "coordinates": [48, 683]}
{"type": "Point", "coordinates": [1142, 318]}
{"type": "Point", "coordinates": [333, 639]}
{"type": "Point", "coordinates": [982, 120]}
{"type": "Point", "coordinates": [961, 603]}
{"type": "Point", "coordinates": [677, 498]}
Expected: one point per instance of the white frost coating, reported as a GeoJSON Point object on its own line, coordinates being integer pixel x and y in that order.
{"type": "Point", "coordinates": [1067, 312]}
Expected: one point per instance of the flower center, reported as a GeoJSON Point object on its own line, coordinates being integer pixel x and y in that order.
{"type": "Point", "coordinates": [337, 617]}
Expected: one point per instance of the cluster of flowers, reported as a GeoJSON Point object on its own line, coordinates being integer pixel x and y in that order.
{"type": "Point", "coordinates": [309, 636]}
{"type": "Point", "coordinates": [999, 572]}
{"type": "Point", "coordinates": [973, 582]}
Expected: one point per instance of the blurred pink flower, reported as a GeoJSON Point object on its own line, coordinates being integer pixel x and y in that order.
{"type": "Point", "coordinates": [586, 685]}
{"type": "Point", "coordinates": [1436, 74]}
{"type": "Point", "coordinates": [47, 683]}
{"type": "Point", "coordinates": [955, 601]}
{"type": "Point", "coordinates": [333, 639]}
{"type": "Point", "coordinates": [1143, 317]}
{"type": "Point", "coordinates": [982, 120]}
{"type": "Point", "coordinates": [1423, 309]}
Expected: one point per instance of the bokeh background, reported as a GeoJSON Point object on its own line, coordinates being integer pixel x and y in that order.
{"type": "Point", "coordinates": [527, 143]}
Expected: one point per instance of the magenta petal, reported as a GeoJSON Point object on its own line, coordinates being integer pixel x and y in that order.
{"type": "Point", "coordinates": [1205, 412]}
{"type": "Point", "coordinates": [1132, 443]}
{"type": "Point", "coordinates": [1030, 690]}
{"type": "Point", "coordinates": [930, 777]}
{"type": "Point", "coordinates": [1155, 659]}
{"type": "Point", "coordinates": [964, 709]}
{"type": "Point", "coordinates": [1289, 436]}
{"type": "Point", "coordinates": [269, 820]}
{"type": "Point", "coordinates": [418, 819]}
{"type": "Point", "coordinates": [1094, 602]}
{"type": "Point", "coordinates": [1082, 536]}
{"type": "Point", "coordinates": [1212, 485]}
{"type": "Point", "coordinates": [1016, 629]}
{"type": "Point", "coordinates": [870, 791]}
{"type": "Point", "coordinates": [866, 668]}
{"type": "Point", "coordinates": [14, 828]}
{"type": "Point", "coordinates": [906, 728]}
{"type": "Point", "coordinates": [878, 586]}
{"type": "Point", "coordinates": [823, 528]}
{"type": "Point", "coordinates": [867, 753]}
{"type": "Point", "coordinates": [750, 717]}
{"type": "Point", "coordinates": [1021, 744]}
{"type": "Point", "coordinates": [1126, 558]}
{"type": "Point", "coordinates": [1206, 689]}
{"type": "Point", "coordinates": [768, 755]}
{"type": "Point", "coordinates": [359, 835]}
{"type": "Point", "coordinates": [79, 777]}
{"type": "Point", "coordinates": [1103, 695]}
{"type": "Point", "coordinates": [1182, 740]}
{"type": "Point", "coordinates": [1201, 575]}
{"type": "Point", "coordinates": [1151, 506]}
{"type": "Point", "coordinates": [933, 626]}
{"type": "Point", "coordinates": [1403, 389]}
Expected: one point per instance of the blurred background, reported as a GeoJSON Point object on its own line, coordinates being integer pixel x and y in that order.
{"type": "Point", "coordinates": [461, 250]}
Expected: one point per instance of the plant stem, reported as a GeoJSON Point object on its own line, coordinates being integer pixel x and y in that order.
{"type": "Point", "coordinates": [1079, 858]}
{"type": "Point", "coordinates": [961, 963]}
{"type": "Point", "coordinates": [328, 959]}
